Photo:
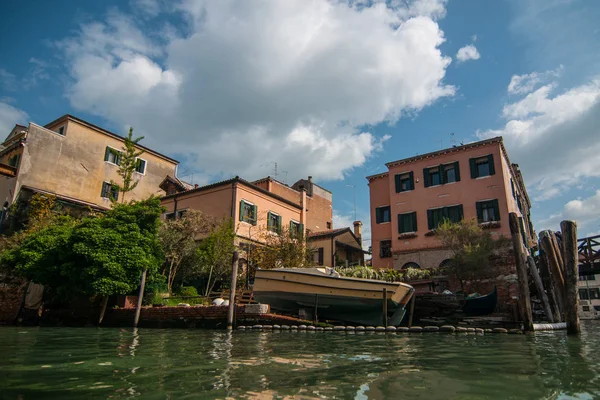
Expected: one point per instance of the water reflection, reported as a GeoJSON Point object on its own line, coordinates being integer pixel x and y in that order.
{"type": "Point", "coordinates": [122, 363]}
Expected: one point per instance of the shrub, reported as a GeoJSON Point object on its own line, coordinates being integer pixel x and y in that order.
{"type": "Point", "coordinates": [188, 291]}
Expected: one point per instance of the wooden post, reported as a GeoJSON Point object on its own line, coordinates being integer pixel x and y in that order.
{"type": "Point", "coordinates": [559, 250]}
{"type": "Point", "coordinates": [103, 310]}
{"type": "Point", "coordinates": [555, 270]}
{"type": "Point", "coordinates": [385, 316]}
{"type": "Point", "coordinates": [234, 271]}
{"type": "Point", "coordinates": [571, 259]}
{"type": "Point", "coordinates": [316, 308]}
{"type": "Point", "coordinates": [524, 300]}
{"type": "Point", "coordinates": [552, 292]}
{"type": "Point", "coordinates": [412, 309]}
{"type": "Point", "coordinates": [540, 288]}
{"type": "Point", "coordinates": [138, 307]}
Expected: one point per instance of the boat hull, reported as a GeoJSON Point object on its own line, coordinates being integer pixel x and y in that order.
{"type": "Point", "coordinates": [357, 301]}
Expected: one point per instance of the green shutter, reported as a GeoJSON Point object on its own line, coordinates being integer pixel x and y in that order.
{"type": "Point", "coordinates": [269, 224]}
{"type": "Point", "coordinates": [460, 212]}
{"type": "Point", "coordinates": [442, 175]}
{"type": "Point", "coordinates": [106, 153]}
{"type": "Point", "coordinates": [412, 180]}
{"type": "Point", "coordinates": [430, 219]}
{"type": "Point", "coordinates": [398, 185]}
{"type": "Point", "coordinates": [378, 215]}
{"type": "Point", "coordinates": [426, 180]}
{"type": "Point", "coordinates": [491, 164]}
{"type": "Point", "coordinates": [254, 215]}
{"type": "Point", "coordinates": [414, 221]}
{"type": "Point", "coordinates": [496, 209]}
{"type": "Point", "coordinates": [457, 171]}
{"type": "Point", "coordinates": [279, 224]}
{"type": "Point", "coordinates": [473, 166]}
{"type": "Point", "coordinates": [301, 229]}
{"type": "Point", "coordinates": [479, 212]}
{"type": "Point", "coordinates": [242, 210]}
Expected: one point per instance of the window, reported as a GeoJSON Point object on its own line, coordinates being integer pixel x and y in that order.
{"type": "Point", "coordinates": [181, 213]}
{"type": "Point", "coordinates": [318, 256]}
{"type": "Point", "coordinates": [382, 214]}
{"type": "Point", "coordinates": [487, 211]}
{"type": "Point", "coordinates": [274, 222]}
{"type": "Point", "coordinates": [112, 156]}
{"type": "Point", "coordinates": [296, 229]}
{"type": "Point", "coordinates": [14, 160]}
{"type": "Point", "coordinates": [586, 277]}
{"type": "Point", "coordinates": [586, 308]}
{"type": "Point", "coordinates": [248, 212]}
{"type": "Point", "coordinates": [411, 265]}
{"type": "Point", "coordinates": [589, 294]}
{"type": "Point", "coordinates": [512, 186]}
{"type": "Point", "coordinates": [404, 182]}
{"type": "Point", "coordinates": [596, 308]}
{"type": "Point", "coordinates": [328, 225]}
{"type": "Point", "coordinates": [61, 131]}
{"type": "Point", "coordinates": [170, 216]}
{"type": "Point", "coordinates": [482, 166]}
{"type": "Point", "coordinates": [441, 174]}
{"type": "Point", "coordinates": [140, 166]}
{"type": "Point", "coordinates": [385, 249]}
{"type": "Point", "coordinates": [109, 191]}
{"type": "Point", "coordinates": [437, 215]}
{"type": "Point", "coordinates": [407, 222]}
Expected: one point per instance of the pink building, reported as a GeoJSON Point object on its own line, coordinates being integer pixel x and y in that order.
{"type": "Point", "coordinates": [408, 201]}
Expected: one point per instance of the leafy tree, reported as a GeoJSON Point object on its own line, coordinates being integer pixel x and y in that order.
{"type": "Point", "coordinates": [285, 249]}
{"type": "Point", "coordinates": [215, 253]}
{"type": "Point", "coordinates": [474, 250]}
{"type": "Point", "coordinates": [128, 162]}
{"type": "Point", "coordinates": [179, 241]}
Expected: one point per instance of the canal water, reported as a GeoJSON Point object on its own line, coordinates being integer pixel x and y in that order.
{"type": "Point", "coordinates": [91, 363]}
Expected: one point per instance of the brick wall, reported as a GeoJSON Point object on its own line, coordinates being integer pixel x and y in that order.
{"type": "Point", "coordinates": [319, 213]}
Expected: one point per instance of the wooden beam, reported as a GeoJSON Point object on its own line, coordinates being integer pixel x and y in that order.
{"type": "Point", "coordinates": [555, 270]}
{"type": "Point", "coordinates": [552, 292]}
{"type": "Point", "coordinates": [569, 237]}
{"type": "Point", "coordinates": [519, 255]}
{"type": "Point", "coordinates": [540, 288]}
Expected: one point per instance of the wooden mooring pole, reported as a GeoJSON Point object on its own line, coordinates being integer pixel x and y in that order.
{"type": "Point", "coordinates": [234, 272]}
{"type": "Point", "coordinates": [385, 313]}
{"type": "Point", "coordinates": [540, 288]}
{"type": "Point", "coordinates": [571, 263]}
{"type": "Point", "coordinates": [138, 306]}
{"type": "Point", "coordinates": [552, 292]}
{"type": "Point", "coordinates": [524, 300]}
{"type": "Point", "coordinates": [555, 269]}
{"type": "Point", "coordinates": [412, 309]}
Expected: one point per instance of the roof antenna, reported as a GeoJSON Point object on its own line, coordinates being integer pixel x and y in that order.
{"type": "Point", "coordinates": [285, 180]}
{"type": "Point", "coordinates": [275, 170]}
{"type": "Point", "coordinates": [452, 141]}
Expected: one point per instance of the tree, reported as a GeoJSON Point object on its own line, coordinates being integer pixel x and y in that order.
{"type": "Point", "coordinates": [215, 253]}
{"type": "Point", "coordinates": [474, 250]}
{"type": "Point", "coordinates": [128, 163]}
{"type": "Point", "coordinates": [285, 249]}
{"type": "Point", "coordinates": [179, 241]}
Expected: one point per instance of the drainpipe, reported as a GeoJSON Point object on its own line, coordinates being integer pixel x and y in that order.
{"type": "Point", "coordinates": [303, 211]}
{"type": "Point", "coordinates": [332, 252]}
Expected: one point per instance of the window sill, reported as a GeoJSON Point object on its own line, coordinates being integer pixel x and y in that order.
{"type": "Point", "coordinates": [484, 177]}
{"type": "Point", "coordinates": [430, 233]}
{"type": "Point", "coordinates": [405, 191]}
{"type": "Point", "coordinates": [490, 225]}
{"type": "Point", "coordinates": [139, 173]}
{"type": "Point", "coordinates": [407, 235]}
{"type": "Point", "coordinates": [383, 223]}
{"type": "Point", "coordinates": [249, 222]}
{"type": "Point", "coordinates": [112, 163]}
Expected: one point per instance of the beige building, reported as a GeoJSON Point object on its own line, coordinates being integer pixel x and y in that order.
{"type": "Point", "coordinates": [76, 161]}
{"type": "Point", "coordinates": [338, 247]}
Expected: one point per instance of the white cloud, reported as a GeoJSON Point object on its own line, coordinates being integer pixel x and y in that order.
{"type": "Point", "coordinates": [9, 116]}
{"type": "Point", "coordinates": [521, 84]}
{"type": "Point", "coordinates": [249, 83]}
{"type": "Point", "coordinates": [586, 212]}
{"type": "Point", "coordinates": [554, 138]}
{"type": "Point", "coordinates": [468, 52]}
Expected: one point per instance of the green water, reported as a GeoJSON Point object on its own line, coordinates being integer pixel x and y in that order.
{"type": "Point", "coordinates": [89, 363]}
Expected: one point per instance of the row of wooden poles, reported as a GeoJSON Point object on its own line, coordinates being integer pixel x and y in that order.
{"type": "Point", "coordinates": [555, 275]}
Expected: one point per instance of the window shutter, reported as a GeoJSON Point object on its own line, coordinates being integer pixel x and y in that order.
{"type": "Point", "coordinates": [242, 210]}
{"type": "Point", "coordinates": [254, 214]}
{"type": "Point", "coordinates": [496, 209]}
{"type": "Point", "coordinates": [460, 212]}
{"type": "Point", "coordinates": [378, 215]}
{"type": "Point", "coordinates": [279, 224]}
{"type": "Point", "coordinates": [442, 175]}
{"type": "Point", "coordinates": [400, 225]}
{"type": "Point", "coordinates": [320, 256]}
{"type": "Point", "coordinates": [512, 186]}
{"type": "Point", "coordinates": [479, 212]}
{"type": "Point", "coordinates": [398, 185]}
{"type": "Point", "coordinates": [491, 164]}
{"type": "Point", "coordinates": [106, 153]}
{"type": "Point", "coordinates": [426, 180]}
{"type": "Point", "coordinates": [456, 171]}
{"type": "Point", "coordinates": [430, 219]}
{"type": "Point", "coordinates": [414, 221]}
{"type": "Point", "coordinates": [301, 230]}
{"type": "Point", "coordinates": [473, 168]}
{"type": "Point", "coordinates": [269, 223]}
{"type": "Point", "coordinates": [412, 180]}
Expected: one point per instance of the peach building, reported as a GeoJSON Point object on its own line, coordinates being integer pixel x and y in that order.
{"type": "Point", "coordinates": [408, 201]}
{"type": "Point", "coordinates": [75, 161]}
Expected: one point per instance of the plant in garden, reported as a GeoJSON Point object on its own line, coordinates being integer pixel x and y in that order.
{"type": "Point", "coordinates": [128, 163]}
{"type": "Point", "coordinates": [285, 249]}
{"type": "Point", "coordinates": [215, 253]}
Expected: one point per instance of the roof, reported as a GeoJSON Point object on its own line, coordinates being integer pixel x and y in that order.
{"type": "Point", "coordinates": [108, 133]}
{"type": "Point", "coordinates": [330, 232]}
{"type": "Point", "coordinates": [182, 186]}
{"type": "Point", "coordinates": [237, 179]}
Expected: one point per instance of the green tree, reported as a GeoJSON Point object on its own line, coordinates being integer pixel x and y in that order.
{"type": "Point", "coordinates": [215, 253]}
{"type": "Point", "coordinates": [128, 163]}
{"type": "Point", "coordinates": [179, 240]}
{"type": "Point", "coordinates": [285, 249]}
{"type": "Point", "coordinates": [474, 250]}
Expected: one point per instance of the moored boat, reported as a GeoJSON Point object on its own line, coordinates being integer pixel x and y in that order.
{"type": "Point", "coordinates": [481, 305]}
{"type": "Point", "coordinates": [353, 300]}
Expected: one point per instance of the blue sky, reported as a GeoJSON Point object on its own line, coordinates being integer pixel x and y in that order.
{"type": "Point", "coordinates": [332, 89]}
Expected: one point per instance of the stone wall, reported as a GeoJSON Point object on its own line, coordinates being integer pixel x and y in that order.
{"type": "Point", "coordinates": [11, 295]}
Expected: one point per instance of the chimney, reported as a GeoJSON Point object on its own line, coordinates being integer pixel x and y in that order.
{"type": "Point", "coordinates": [309, 179]}
{"type": "Point", "coordinates": [358, 230]}
{"type": "Point", "coordinates": [196, 186]}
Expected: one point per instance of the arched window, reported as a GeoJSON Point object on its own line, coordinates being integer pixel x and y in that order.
{"type": "Point", "coordinates": [411, 265]}
{"type": "Point", "coordinates": [446, 263]}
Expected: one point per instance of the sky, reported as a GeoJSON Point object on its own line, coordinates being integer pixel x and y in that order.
{"type": "Point", "coordinates": [328, 88]}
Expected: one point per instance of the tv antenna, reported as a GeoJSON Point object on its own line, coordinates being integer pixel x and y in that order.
{"type": "Point", "coordinates": [275, 169]}
{"type": "Point", "coordinates": [285, 179]}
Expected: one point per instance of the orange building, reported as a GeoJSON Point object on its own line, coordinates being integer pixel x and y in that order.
{"type": "Point", "coordinates": [408, 201]}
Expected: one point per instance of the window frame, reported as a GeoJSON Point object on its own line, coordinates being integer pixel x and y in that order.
{"type": "Point", "coordinates": [300, 228]}
{"type": "Point", "coordinates": [445, 214]}
{"type": "Point", "coordinates": [379, 214]}
{"type": "Point", "coordinates": [403, 177]}
{"type": "Point", "coordinates": [387, 254]}
{"type": "Point", "coordinates": [440, 170]}
{"type": "Point", "coordinates": [137, 160]}
{"type": "Point", "coordinates": [270, 227]}
{"type": "Point", "coordinates": [413, 222]}
{"type": "Point", "coordinates": [490, 203]}
{"type": "Point", "coordinates": [473, 163]}
{"type": "Point", "coordinates": [111, 150]}
{"type": "Point", "coordinates": [113, 188]}
{"type": "Point", "coordinates": [62, 130]}
{"type": "Point", "coordinates": [243, 218]}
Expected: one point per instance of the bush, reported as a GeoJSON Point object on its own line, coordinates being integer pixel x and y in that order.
{"type": "Point", "coordinates": [157, 299]}
{"type": "Point", "coordinates": [188, 291]}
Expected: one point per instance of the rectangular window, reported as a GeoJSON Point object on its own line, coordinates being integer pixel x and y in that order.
{"type": "Point", "coordinates": [61, 131]}
{"type": "Point", "coordinates": [586, 308]}
{"type": "Point", "coordinates": [14, 160]}
{"type": "Point", "coordinates": [407, 222]}
{"type": "Point", "coordinates": [451, 173]}
{"type": "Point", "coordinates": [382, 214]}
{"type": "Point", "coordinates": [482, 166]}
{"type": "Point", "coordinates": [170, 216]}
{"type": "Point", "coordinates": [109, 191]}
{"type": "Point", "coordinates": [437, 215]}
{"type": "Point", "coordinates": [434, 176]}
{"type": "Point", "coordinates": [140, 166]}
{"type": "Point", "coordinates": [328, 225]}
{"type": "Point", "coordinates": [487, 211]}
{"type": "Point", "coordinates": [404, 182]}
{"type": "Point", "coordinates": [274, 222]}
{"type": "Point", "coordinates": [583, 294]}
{"type": "Point", "coordinates": [248, 212]}
{"type": "Point", "coordinates": [112, 156]}
{"type": "Point", "coordinates": [587, 277]}
{"type": "Point", "coordinates": [296, 229]}
{"type": "Point", "coordinates": [597, 308]}
{"type": "Point", "coordinates": [512, 187]}
{"type": "Point", "coordinates": [594, 293]}
{"type": "Point", "coordinates": [441, 174]}
{"type": "Point", "coordinates": [318, 256]}
{"type": "Point", "coordinates": [385, 249]}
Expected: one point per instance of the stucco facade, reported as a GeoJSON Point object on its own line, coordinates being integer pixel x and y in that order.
{"type": "Point", "coordinates": [464, 182]}
{"type": "Point", "coordinates": [67, 157]}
